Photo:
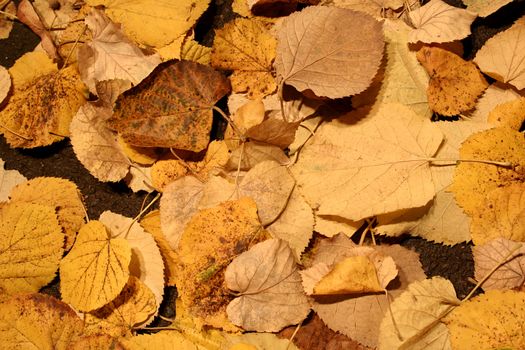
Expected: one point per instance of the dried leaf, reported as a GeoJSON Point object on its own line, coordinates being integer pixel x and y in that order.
{"type": "Point", "coordinates": [501, 215]}
{"type": "Point", "coordinates": [151, 23]}
{"type": "Point", "coordinates": [510, 114]}
{"type": "Point", "coordinates": [330, 226]}
{"type": "Point", "coordinates": [251, 341]}
{"type": "Point", "coordinates": [489, 321]}
{"type": "Point", "coordinates": [60, 194]}
{"type": "Point", "coordinates": [8, 180]}
{"type": "Point", "coordinates": [473, 181]}
{"type": "Point", "coordinates": [133, 306]}
{"type": "Point", "coordinates": [455, 84]}
{"type": "Point", "coordinates": [163, 340]}
{"type": "Point", "coordinates": [146, 262]}
{"type": "Point", "coordinates": [5, 83]}
{"type": "Point", "coordinates": [273, 131]}
{"type": "Point", "coordinates": [510, 275]}
{"type": "Point", "coordinates": [26, 14]}
{"type": "Point", "coordinates": [375, 8]}
{"type": "Point", "coordinates": [97, 342]}
{"type": "Point", "coordinates": [503, 56]}
{"type": "Point", "coordinates": [494, 95]}
{"type": "Point", "coordinates": [164, 172]}
{"type": "Point", "coordinates": [96, 146]}
{"type": "Point", "coordinates": [352, 171]}
{"type": "Point", "coordinates": [139, 178]}
{"type": "Point", "coordinates": [415, 321]}
{"type": "Point", "coordinates": [140, 155]}
{"type": "Point", "coordinates": [37, 321]}
{"type": "Point", "coordinates": [331, 51]}
{"type": "Point", "coordinates": [246, 47]}
{"type": "Point", "coordinates": [173, 108]}
{"type": "Point", "coordinates": [31, 244]}
{"type": "Point", "coordinates": [262, 277]}
{"type": "Point", "coordinates": [193, 51]}
{"type": "Point", "coordinates": [438, 22]}
{"type": "Point", "coordinates": [29, 66]}
{"type": "Point", "coordinates": [6, 22]}
{"type": "Point", "coordinates": [485, 8]}
{"type": "Point", "coordinates": [96, 269]}
{"type": "Point", "coordinates": [253, 153]}
{"type": "Point", "coordinates": [111, 55]}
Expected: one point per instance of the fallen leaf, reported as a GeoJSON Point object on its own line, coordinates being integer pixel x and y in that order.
{"type": "Point", "coordinates": [73, 30]}
{"type": "Point", "coordinates": [5, 83]}
{"type": "Point", "coordinates": [29, 66]}
{"type": "Point", "coordinates": [272, 8]}
{"type": "Point", "coordinates": [489, 321]}
{"type": "Point", "coordinates": [330, 226]}
{"type": "Point", "coordinates": [246, 47]}
{"type": "Point", "coordinates": [166, 171]}
{"type": "Point", "coordinates": [139, 178]}
{"type": "Point", "coordinates": [8, 180]}
{"type": "Point", "coordinates": [495, 95]}
{"type": "Point", "coordinates": [509, 275]}
{"type": "Point", "coordinates": [215, 160]}
{"type": "Point", "coordinates": [295, 224]}
{"type": "Point", "coordinates": [501, 215]}
{"type": "Point", "coordinates": [111, 55]}
{"type": "Point", "coordinates": [438, 22]}
{"type": "Point", "coordinates": [262, 277]}
{"type": "Point", "coordinates": [26, 14]}
{"type": "Point", "coordinates": [131, 308]}
{"type": "Point", "coordinates": [254, 341]}
{"type": "Point", "coordinates": [163, 340]}
{"type": "Point", "coordinates": [146, 262]}
{"type": "Point", "coordinates": [253, 153]}
{"type": "Point", "coordinates": [352, 171]}
{"type": "Point", "coordinates": [6, 21]}
{"type": "Point", "coordinates": [37, 321]}
{"type": "Point", "coordinates": [109, 90]}
{"type": "Point", "coordinates": [211, 239]}
{"type": "Point", "coordinates": [503, 56]}
{"type": "Point", "coordinates": [191, 50]}
{"type": "Point", "coordinates": [485, 8]}
{"type": "Point", "coordinates": [331, 51]}
{"type": "Point", "coordinates": [415, 318]}
{"type": "Point", "coordinates": [375, 8]}
{"type": "Point", "coordinates": [96, 146]}
{"type": "Point", "coordinates": [97, 342]}
{"type": "Point", "coordinates": [141, 155]}
{"type": "Point", "coordinates": [510, 114]}
{"type": "Point", "coordinates": [151, 23]}
{"type": "Point", "coordinates": [30, 247]}
{"type": "Point", "coordinates": [96, 269]}
{"type": "Point", "coordinates": [60, 194]}
{"type": "Point", "coordinates": [273, 131]}
{"type": "Point", "coordinates": [240, 7]}
{"type": "Point", "coordinates": [473, 181]}
{"type": "Point", "coordinates": [455, 84]}
{"type": "Point", "coordinates": [172, 108]}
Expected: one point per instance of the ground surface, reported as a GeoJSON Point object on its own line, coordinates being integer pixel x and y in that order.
{"type": "Point", "coordinates": [454, 263]}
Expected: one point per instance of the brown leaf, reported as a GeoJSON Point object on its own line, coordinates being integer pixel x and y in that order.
{"type": "Point", "coordinates": [172, 108]}
{"type": "Point", "coordinates": [455, 84]}
{"type": "Point", "coordinates": [253, 153]}
{"type": "Point", "coordinates": [273, 131]}
{"type": "Point", "coordinates": [272, 8]}
{"type": "Point", "coordinates": [6, 21]}
{"type": "Point", "coordinates": [27, 15]}
{"type": "Point", "coordinates": [331, 51]}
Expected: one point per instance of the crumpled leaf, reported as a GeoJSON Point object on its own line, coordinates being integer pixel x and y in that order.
{"type": "Point", "coordinates": [146, 262]}
{"type": "Point", "coordinates": [510, 275]}
{"type": "Point", "coordinates": [501, 215]}
{"type": "Point", "coordinates": [8, 180]}
{"type": "Point", "coordinates": [246, 47]}
{"type": "Point", "coordinates": [503, 56]}
{"type": "Point", "coordinates": [173, 108]}
{"type": "Point", "coordinates": [96, 269]}
{"type": "Point", "coordinates": [473, 181]}
{"type": "Point", "coordinates": [211, 239]}
{"type": "Point", "coordinates": [438, 22]}
{"type": "Point", "coordinates": [111, 55]}
{"type": "Point", "coordinates": [375, 8]}
{"type": "Point", "coordinates": [352, 171]}
{"type": "Point", "coordinates": [151, 23]}
{"type": "Point", "coordinates": [26, 14]}
{"type": "Point", "coordinates": [485, 8]}
{"type": "Point", "coordinates": [38, 321]}
{"type": "Point", "coordinates": [455, 84]}
{"type": "Point", "coordinates": [39, 111]}
{"type": "Point", "coordinates": [132, 307]}
{"type": "Point", "coordinates": [31, 244]}
{"type": "Point", "coordinates": [495, 95]}
{"type": "Point", "coordinates": [331, 51]}
{"type": "Point", "coordinates": [492, 320]}
{"type": "Point", "coordinates": [60, 194]}
{"type": "Point", "coordinates": [415, 321]}
{"type": "Point", "coordinates": [263, 277]}
{"type": "Point", "coordinates": [510, 114]}
{"type": "Point", "coordinates": [5, 83]}
{"type": "Point", "coordinates": [96, 146]}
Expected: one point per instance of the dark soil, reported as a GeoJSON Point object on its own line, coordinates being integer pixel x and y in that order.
{"type": "Point", "coordinates": [454, 263]}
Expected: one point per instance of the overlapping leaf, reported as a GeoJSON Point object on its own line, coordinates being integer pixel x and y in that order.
{"type": "Point", "coordinates": [8, 180]}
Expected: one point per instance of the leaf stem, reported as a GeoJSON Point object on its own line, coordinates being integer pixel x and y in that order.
{"type": "Point", "coordinates": [139, 215]}
{"type": "Point", "coordinates": [74, 46]}
{"type": "Point", "coordinates": [7, 14]}
{"type": "Point", "coordinates": [230, 121]}
{"type": "Point", "coordinates": [16, 134]}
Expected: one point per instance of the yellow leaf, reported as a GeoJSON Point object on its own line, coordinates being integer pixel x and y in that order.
{"type": "Point", "coordinates": [493, 320]}
{"type": "Point", "coordinates": [97, 342]}
{"type": "Point", "coordinates": [5, 83]}
{"type": "Point", "coordinates": [60, 194]}
{"type": "Point", "coordinates": [30, 247]}
{"type": "Point", "coordinates": [510, 114]}
{"type": "Point", "coordinates": [8, 180]}
{"type": "Point", "coordinates": [215, 159]}
{"type": "Point", "coordinates": [473, 181]}
{"type": "Point", "coordinates": [241, 7]}
{"type": "Point", "coordinates": [96, 269]}
{"type": "Point", "coordinates": [245, 47]}
{"type": "Point", "coordinates": [193, 51]}
{"type": "Point", "coordinates": [37, 321]}
{"type": "Point", "coordinates": [140, 155]}
{"type": "Point", "coordinates": [164, 172]}
{"type": "Point", "coordinates": [154, 23]}
{"type": "Point", "coordinates": [30, 66]}
{"type": "Point", "coordinates": [166, 340]}
{"type": "Point", "coordinates": [133, 306]}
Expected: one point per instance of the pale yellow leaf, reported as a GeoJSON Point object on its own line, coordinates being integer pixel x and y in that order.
{"type": "Point", "coordinates": [503, 56]}
{"type": "Point", "coordinates": [438, 22]}
{"type": "Point", "coordinates": [331, 51]}
{"type": "Point", "coordinates": [164, 340]}
{"type": "Point", "coordinates": [140, 155]}
{"type": "Point", "coordinates": [485, 8]}
{"type": "Point", "coordinates": [509, 275]}
{"type": "Point", "coordinates": [353, 171]}
{"type": "Point", "coordinates": [8, 180]}
{"type": "Point", "coordinates": [416, 315]}
{"type": "Point", "coordinates": [510, 114]}
{"type": "Point", "coordinates": [139, 178]}
{"type": "Point", "coordinates": [31, 246]}
{"type": "Point", "coordinates": [96, 269]}
{"type": "Point", "coordinates": [253, 153]}
{"type": "Point", "coordinates": [5, 83]}
{"type": "Point", "coordinates": [495, 95]}
{"type": "Point", "coordinates": [330, 226]}
{"type": "Point", "coordinates": [493, 320]}
{"type": "Point", "coordinates": [37, 321]}
{"type": "Point", "coordinates": [263, 277]}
